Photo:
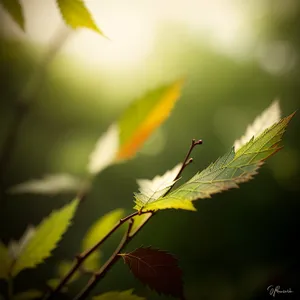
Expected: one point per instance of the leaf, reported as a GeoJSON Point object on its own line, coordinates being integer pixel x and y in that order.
{"type": "Point", "coordinates": [76, 15]}
{"type": "Point", "coordinates": [144, 116]}
{"type": "Point", "coordinates": [48, 234]}
{"type": "Point", "coordinates": [125, 295]}
{"type": "Point", "coordinates": [105, 150]}
{"type": "Point", "coordinates": [5, 261]}
{"type": "Point", "coordinates": [157, 269]}
{"type": "Point", "coordinates": [54, 282]}
{"type": "Point", "coordinates": [15, 248]}
{"type": "Point", "coordinates": [98, 231]}
{"type": "Point", "coordinates": [49, 185]}
{"type": "Point", "coordinates": [139, 220]}
{"type": "Point", "coordinates": [64, 267]}
{"type": "Point", "coordinates": [151, 190]}
{"type": "Point", "coordinates": [267, 118]}
{"type": "Point", "coordinates": [28, 295]}
{"type": "Point", "coordinates": [158, 186]}
{"type": "Point", "coordinates": [226, 173]}
{"type": "Point", "coordinates": [125, 137]}
{"type": "Point", "coordinates": [14, 8]}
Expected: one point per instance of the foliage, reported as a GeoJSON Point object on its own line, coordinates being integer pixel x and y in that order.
{"type": "Point", "coordinates": [156, 268]}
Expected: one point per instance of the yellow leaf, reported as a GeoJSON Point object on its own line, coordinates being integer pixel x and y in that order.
{"type": "Point", "coordinates": [144, 116]}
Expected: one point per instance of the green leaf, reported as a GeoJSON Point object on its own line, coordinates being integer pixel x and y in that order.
{"type": "Point", "coordinates": [49, 185]}
{"type": "Point", "coordinates": [48, 234]}
{"type": "Point", "coordinates": [76, 15]}
{"type": "Point", "coordinates": [14, 8]}
{"type": "Point", "coordinates": [125, 137]}
{"type": "Point", "coordinates": [28, 295]}
{"type": "Point", "coordinates": [139, 220]}
{"type": "Point", "coordinates": [98, 231]}
{"type": "Point", "coordinates": [5, 261]}
{"type": "Point", "coordinates": [125, 295]}
{"type": "Point", "coordinates": [54, 282]}
{"type": "Point", "coordinates": [64, 267]}
{"type": "Point", "coordinates": [226, 173]}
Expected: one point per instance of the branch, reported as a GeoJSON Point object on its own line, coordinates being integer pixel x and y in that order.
{"type": "Point", "coordinates": [187, 160]}
{"type": "Point", "coordinates": [115, 256]}
{"type": "Point", "coordinates": [84, 255]}
{"type": "Point", "coordinates": [106, 267]}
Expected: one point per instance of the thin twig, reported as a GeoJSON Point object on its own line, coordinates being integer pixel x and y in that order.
{"type": "Point", "coordinates": [106, 267]}
{"type": "Point", "coordinates": [84, 255]}
{"type": "Point", "coordinates": [187, 160]}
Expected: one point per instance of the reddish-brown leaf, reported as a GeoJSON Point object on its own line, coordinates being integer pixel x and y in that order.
{"type": "Point", "coordinates": [157, 269]}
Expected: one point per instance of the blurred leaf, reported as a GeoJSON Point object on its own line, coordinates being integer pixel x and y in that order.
{"type": "Point", "coordinates": [98, 231]}
{"type": "Point", "coordinates": [105, 150]}
{"type": "Point", "coordinates": [14, 8]}
{"type": "Point", "coordinates": [64, 267]}
{"type": "Point", "coordinates": [5, 261]}
{"type": "Point", "coordinates": [124, 138]}
{"type": "Point", "coordinates": [30, 294]}
{"type": "Point", "coordinates": [76, 15]}
{"type": "Point", "coordinates": [267, 118]}
{"type": "Point", "coordinates": [144, 116]}
{"type": "Point", "coordinates": [49, 185]}
{"type": "Point", "coordinates": [139, 220]}
{"type": "Point", "coordinates": [125, 295]}
{"type": "Point", "coordinates": [54, 282]}
{"type": "Point", "coordinates": [48, 234]}
{"type": "Point", "coordinates": [226, 173]}
{"type": "Point", "coordinates": [157, 269]}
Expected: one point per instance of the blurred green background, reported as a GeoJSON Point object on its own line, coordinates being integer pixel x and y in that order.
{"type": "Point", "coordinates": [237, 57]}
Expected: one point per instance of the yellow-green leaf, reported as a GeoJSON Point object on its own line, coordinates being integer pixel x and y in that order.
{"type": "Point", "coordinates": [14, 8]}
{"type": "Point", "coordinates": [144, 116]}
{"type": "Point", "coordinates": [48, 234]}
{"type": "Point", "coordinates": [64, 267]}
{"type": "Point", "coordinates": [28, 295]}
{"type": "Point", "coordinates": [226, 173]}
{"type": "Point", "coordinates": [125, 295]}
{"type": "Point", "coordinates": [138, 221]}
{"type": "Point", "coordinates": [98, 231]}
{"type": "Point", "coordinates": [76, 15]}
{"type": "Point", "coordinates": [5, 261]}
{"type": "Point", "coordinates": [125, 137]}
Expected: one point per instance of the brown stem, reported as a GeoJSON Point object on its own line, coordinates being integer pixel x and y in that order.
{"type": "Point", "coordinates": [187, 160]}
{"type": "Point", "coordinates": [84, 255]}
{"type": "Point", "coordinates": [106, 267]}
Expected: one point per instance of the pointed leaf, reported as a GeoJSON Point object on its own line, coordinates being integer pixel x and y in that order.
{"type": "Point", "coordinates": [144, 116]}
{"type": "Point", "coordinates": [125, 295]}
{"type": "Point", "coordinates": [49, 185]}
{"type": "Point", "coordinates": [14, 8]}
{"type": "Point", "coordinates": [76, 15]}
{"type": "Point", "coordinates": [125, 137]}
{"type": "Point", "coordinates": [227, 172]}
{"type": "Point", "coordinates": [157, 269]}
{"type": "Point", "coordinates": [5, 261]}
{"type": "Point", "coordinates": [48, 234]}
{"type": "Point", "coordinates": [28, 295]}
{"type": "Point", "coordinates": [267, 118]}
{"type": "Point", "coordinates": [98, 231]}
